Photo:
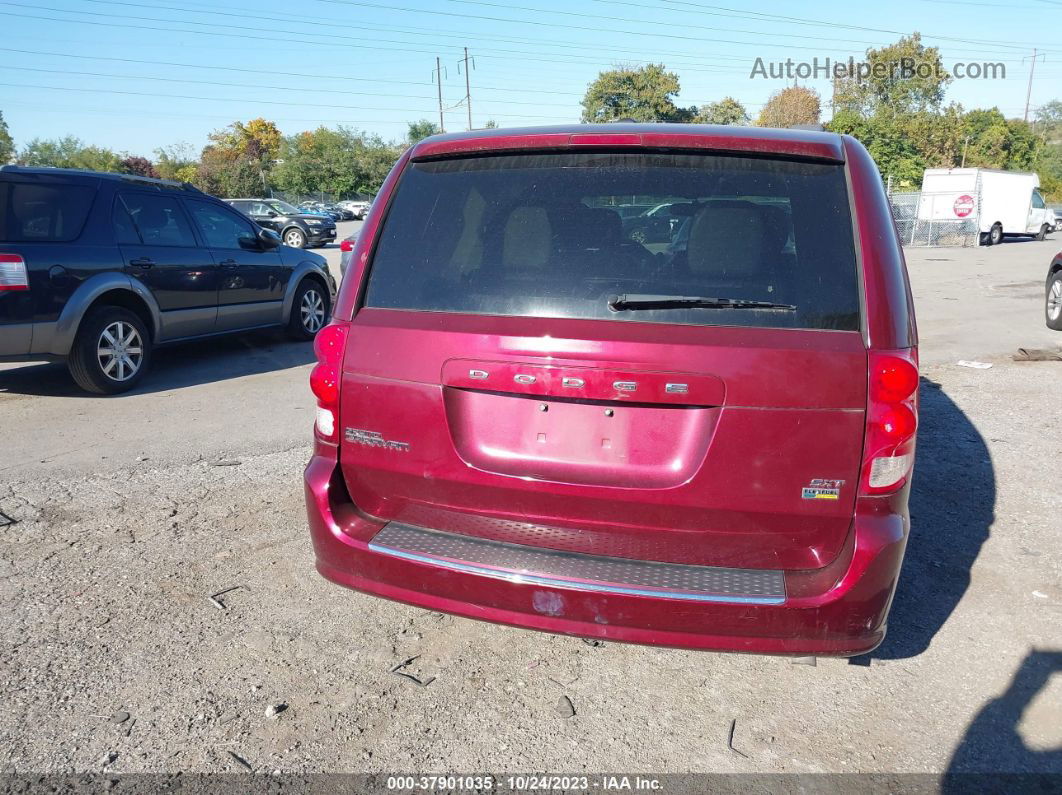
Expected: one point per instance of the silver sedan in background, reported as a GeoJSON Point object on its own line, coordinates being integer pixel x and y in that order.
{"type": "Point", "coordinates": [346, 249]}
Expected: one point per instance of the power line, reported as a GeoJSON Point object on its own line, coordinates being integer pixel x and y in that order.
{"type": "Point", "coordinates": [243, 99]}
{"type": "Point", "coordinates": [434, 34]}
{"type": "Point", "coordinates": [268, 72]}
{"type": "Point", "coordinates": [139, 113]}
{"type": "Point", "coordinates": [640, 33]}
{"type": "Point", "coordinates": [228, 84]}
{"type": "Point", "coordinates": [554, 25]}
{"type": "Point", "coordinates": [329, 41]}
{"type": "Point", "coordinates": [764, 16]}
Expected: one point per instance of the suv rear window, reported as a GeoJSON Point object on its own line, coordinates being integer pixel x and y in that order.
{"type": "Point", "coordinates": [31, 212]}
{"type": "Point", "coordinates": [559, 235]}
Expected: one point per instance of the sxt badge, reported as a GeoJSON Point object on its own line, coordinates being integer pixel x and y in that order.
{"type": "Point", "coordinates": [820, 489]}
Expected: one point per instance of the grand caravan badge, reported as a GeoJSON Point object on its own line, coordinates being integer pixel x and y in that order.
{"type": "Point", "coordinates": [374, 439]}
{"type": "Point", "coordinates": [820, 489]}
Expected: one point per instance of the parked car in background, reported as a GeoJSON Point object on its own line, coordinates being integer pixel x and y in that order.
{"type": "Point", "coordinates": [359, 207]}
{"type": "Point", "coordinates": [296, 227]}
{"type": "Point", "coordinates": [97, 270]}
{"type": "Point", "coordinates": [346, 248]}
{"type": "Point", "coordinates": [1056, 211]}
{"type": "Point", "coordinates": [345, 214]}
{"type": "Point", "coordinates": [316, 208]}
{"type": "Point", "coordinates": [527, 418]}
{"type": "Point", "coordinates": [1053, 302]}
{"type": "Point", "coordinates": [651, 226]}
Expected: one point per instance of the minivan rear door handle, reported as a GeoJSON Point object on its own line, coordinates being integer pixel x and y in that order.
{"type": "Point", "coordinates": [142, 262]}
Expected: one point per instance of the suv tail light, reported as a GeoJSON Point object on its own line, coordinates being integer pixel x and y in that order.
{"type": "Point", "coordinates": [892, 420]}
{"type": "Point", "coordinates": [13, 273]}
{"type": "Point", "coordinates": [325, 378]}
{"type": "Point", "coordinates": [347, 245]}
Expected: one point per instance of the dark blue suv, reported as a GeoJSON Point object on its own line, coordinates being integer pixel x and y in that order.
{"type": "Point", "coordinates": [97, 269]}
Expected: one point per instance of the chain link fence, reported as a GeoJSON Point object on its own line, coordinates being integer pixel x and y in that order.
{"type": "Point", "coordinates": [926, 220]}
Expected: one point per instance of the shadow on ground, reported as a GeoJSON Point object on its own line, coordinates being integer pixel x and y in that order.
{"type": "Point", "coordinates": [953, 501]}
{"type": "Point", "coordinates": [992, 743]}
{"type": "Point", "coordinates": [183, 365]}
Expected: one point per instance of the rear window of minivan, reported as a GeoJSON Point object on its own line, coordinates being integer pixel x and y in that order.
{"type": "Point", "coordinates": [563, 234]}
{"type": "Point", "coordinates": [33, 212]}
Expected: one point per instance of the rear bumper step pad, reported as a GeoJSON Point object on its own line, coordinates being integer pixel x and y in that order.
{"type": "Point", "coordinates": [523, 564]}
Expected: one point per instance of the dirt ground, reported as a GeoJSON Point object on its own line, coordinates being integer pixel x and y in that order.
{"type": "Point", "coordinates": [115, 658]}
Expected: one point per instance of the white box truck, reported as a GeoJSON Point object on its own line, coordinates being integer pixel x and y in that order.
{"type": "Point", "coordinates": [1002, 202]}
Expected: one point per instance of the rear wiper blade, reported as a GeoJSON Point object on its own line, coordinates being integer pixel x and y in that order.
{"type": "Point", "coordinates": [635, 301]}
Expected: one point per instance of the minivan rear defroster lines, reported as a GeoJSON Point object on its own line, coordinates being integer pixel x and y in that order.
{"type": "Point", "coordinates": [501, 435]}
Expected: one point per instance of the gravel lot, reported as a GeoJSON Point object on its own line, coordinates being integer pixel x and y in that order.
{"type": "Point", "coordinates": [131, 512]}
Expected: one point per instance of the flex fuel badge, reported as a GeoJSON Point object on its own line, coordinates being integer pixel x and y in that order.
{"type": "Point", "coordinates": [820, 489]}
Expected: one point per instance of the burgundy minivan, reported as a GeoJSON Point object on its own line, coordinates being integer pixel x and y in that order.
{"type": "Point", "coordinates": [648, 383]}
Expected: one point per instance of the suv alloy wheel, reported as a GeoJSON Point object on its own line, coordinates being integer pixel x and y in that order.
{"type": "Point", "coordinates": [112, 351]}
{"type": "Point", "coordinates": [310, 310]}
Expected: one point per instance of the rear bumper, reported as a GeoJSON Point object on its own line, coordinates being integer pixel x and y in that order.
{"type": "Point", "coordinates": [16, 340]}
{"type": "Point", "coordinates": [839, 610]}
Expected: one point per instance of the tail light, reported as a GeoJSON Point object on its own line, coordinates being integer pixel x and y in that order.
{"type": "Point", "coordinates": [325, 378]}
{"type": "Point", "coordinates": [13, 273]}
{"type": "Point", "coordinates": [892, 421]}
{"type": "Point", "coordinates": [346, 245]}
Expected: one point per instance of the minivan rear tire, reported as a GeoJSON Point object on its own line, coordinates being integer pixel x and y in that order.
{"type": "Point", "coordinates": [1053, 302]}
{"type": "Point", "coordinates": [116, 329]}
{"type": "Point", "coordinates": [311, 308]}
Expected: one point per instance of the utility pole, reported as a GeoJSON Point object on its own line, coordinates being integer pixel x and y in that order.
{"type": "Point", "coordinates": [965, 144]}
{"type": "Point", "coordinates": [438, 77]}
{"type": "Point", "coordinates": [1028, 93]}
{"type": "Point", "coordinates": [468, 87]}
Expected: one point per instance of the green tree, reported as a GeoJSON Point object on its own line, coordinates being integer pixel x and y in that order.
{"type": "Point", "coordinates": [893, 151]}
{"type": "Point", "coordinates": [905, 77]}
{"type": "Point", "coordinates": [239, 158]}
{"type": "Point", "coordinates": [419, 130]}
{"type": "Point", "coordinates": [985, 135]}
{"type": "Point", "coordinates": [1023, 146]}
{"type": "Point", "coordinates": [794, 105]}
{"type": "Point", "coordinates": [174, 160]}
{"type": "Point", "coordinates": [68, 152]}
{"type": "Point", "coordinates": [340, 162]}
{"type": "Point", "coordinates": [641, 94]}
{"type": "Point", "coordinates": [229, 175]}
{"type": "Point", "coordinates": [726, 111]}
{"type": "Point", "coordinates": [7, 143]}
{"type": "Point", "coordinates": [1049, 116]}
{"type": "Point", "coordinates": [937, 136]}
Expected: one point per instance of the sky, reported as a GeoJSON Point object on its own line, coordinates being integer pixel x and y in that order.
{"type": "Point", "coordinates": [135, 75]}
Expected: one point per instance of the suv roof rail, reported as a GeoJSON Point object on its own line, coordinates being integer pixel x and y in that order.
{"type": "Point", "coordinates": [171, 183]}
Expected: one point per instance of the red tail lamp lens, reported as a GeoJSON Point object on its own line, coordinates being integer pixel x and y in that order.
{"type": "Point", "coordinates": [894, 379]}
{"type": "Point", "coordinates": [898, 422]}
{"type": "Point", "coordinates": [346, 245]}
{"type": "Point", "coordinates": [328, 344]}
{"type": "Point", "coordinates": [324, 383]}
{"type": "Point", "coordinates": [324, 378]}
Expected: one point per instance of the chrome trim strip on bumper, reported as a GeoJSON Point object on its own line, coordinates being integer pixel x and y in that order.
{"type": "Point", "coordinates": [521, 564]}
